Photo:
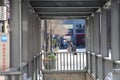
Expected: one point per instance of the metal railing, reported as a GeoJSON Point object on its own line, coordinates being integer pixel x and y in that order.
{"type": "Point", "coordinates": [64, 61]}
{"type": "Point", "coordinates": [28, 70]}
{"type": "Point", "coordinates": [98, 66]}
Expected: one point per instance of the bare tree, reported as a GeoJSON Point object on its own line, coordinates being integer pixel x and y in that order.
{"type": "Point", "coordinates": [56, 26]}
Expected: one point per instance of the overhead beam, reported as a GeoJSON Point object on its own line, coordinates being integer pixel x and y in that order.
{"type": "Point", "coordinates": [66, 3]}
{"type": "Point", "coordinates": [63, 0]}
{"type": "Point", "coordinates": [64, 12]}
{"type": "Point", "coordinates": [65, 9]}
{"type": "Point", "coordinates": [63, 17]}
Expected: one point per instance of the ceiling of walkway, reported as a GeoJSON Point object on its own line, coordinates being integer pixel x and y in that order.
{"type": "Point", "coordinates": [66, 9]}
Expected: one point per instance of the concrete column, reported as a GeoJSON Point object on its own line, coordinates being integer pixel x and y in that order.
{"type": "Point", "coordinates": [97, 32]}
{"type": "Point", "coordinates": [104, 32]}
{"type": "Point", "coordinates": [115, 29]}
{"type": "Point", "coordinates": [15, 33]}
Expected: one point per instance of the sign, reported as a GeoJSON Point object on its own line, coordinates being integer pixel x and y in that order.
{"type": "Point", "coordinates": [4, 52]}
{"type": "Point", "coordinates": [3, 13]}
{"type": "Point", "coordinates": [3, 38]}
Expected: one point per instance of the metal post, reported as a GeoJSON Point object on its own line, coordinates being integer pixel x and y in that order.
{"type": "Point", "coordinates": [87, 35]}
{"type": "Point", "coordinates": [40, 35]}
{"type": "Point", "coordinates": [46, 41]}
{"type": "Point", "coordinates": [115, 30]}
{"type": "Point", "coordinates": [88, 44]}
{"type": "Point", "coordinates": [97, 33]}
{"type": "Point", "coordinates": [50, 37]}
{"type": "Point", "coordinates": [104, 32]}
{"type": "Point", "coordinates": [91, 34]}
{"type": "Point", "coordinates": [15, 34]}
{"type": "Point", "coordinates": [25, 25]}
{"type": "Point", "coordinates": [31, 42]}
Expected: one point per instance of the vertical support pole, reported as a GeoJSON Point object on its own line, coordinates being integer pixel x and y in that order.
{"type": "Point", "coordinates": [50, 36]}
{"type": "Point", "coordinates": [30, 43]}
{"type": "Point", "coordinates": [46, 41]}
{"type": "Point", "coordinates": [96, 41]}
{"type": "Point", "coordinates": [91, 34]}
{"type": "Point", "coordinates": [104, 41]}
{"type": "Point", "coordinates": [115, 30]}
{"type": "Point", "coordinates": [15, 33]}
{"type": "Point", "coordinates": [25, 25]}
{"type": "Point", "coordinates": [87, 35]}
{"type": "Point", "coordinates": [104, 32]}
{"type": "Point", "coordinates": [88, 44]}
{"type": "Point", "coordinates": [40, 36]}
{"type": "Point", "coordinates": [97, 33]}
{"type": "Point", "coordinates": [91, 40]}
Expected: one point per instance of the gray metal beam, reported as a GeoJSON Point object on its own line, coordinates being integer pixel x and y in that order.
{"type": "Point", "coordinates": [97, 33]}
{"type": "Point", "coordinates": [15, 33]}
{"type": "Point", "coordinates": [115, 30]}
{"type": "Point", "coordinates": [104, 32]}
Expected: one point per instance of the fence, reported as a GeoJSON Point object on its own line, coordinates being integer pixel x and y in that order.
{"type": "Point", "coordinates": [64, 61]}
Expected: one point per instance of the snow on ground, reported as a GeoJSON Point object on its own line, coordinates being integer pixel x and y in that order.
{"type": "Point", "coordinates": [77, 50]}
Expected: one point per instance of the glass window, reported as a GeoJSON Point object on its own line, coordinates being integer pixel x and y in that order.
{"type": "Point", "coordinates": [80, 30]}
